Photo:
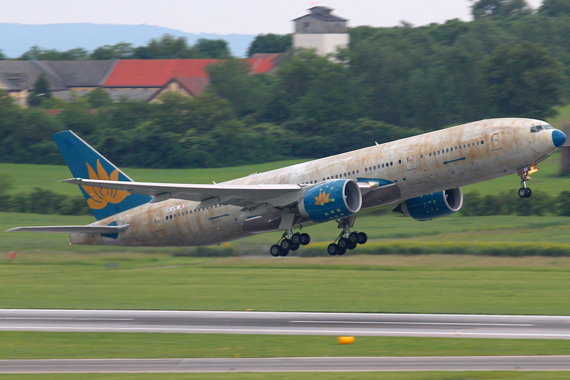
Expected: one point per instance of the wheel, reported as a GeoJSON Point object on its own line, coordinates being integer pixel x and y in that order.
{"type": "Point", "coordinates": [528, 192]}
{"type": "Point", "coordinates": [363, 238]}
{"type": "Point", "coordinates": [522, 192]}
{"type": "Point", "coordinates": [343, 243]}
{"type": "Point", "coordinates": [341, 252]}
{"type": "Point", "coordinates": [275, 250]}
{"type": "Point", "coordinates": [352, 246]}
{"type": "Point", "coordinates": [305, 239]}
{"type": "Point", "coordinates": [353, 237]}
{"type": "Point", "coordinates": [333, 249]}
{"type": "Point", "coordinates": [286, 244]}
{"type": "Point", "coordinates": [296, 239]}
{"type": "Point", "coordinates": [284, 252]}
{"type": "Point", "coordinates": [295, 247]}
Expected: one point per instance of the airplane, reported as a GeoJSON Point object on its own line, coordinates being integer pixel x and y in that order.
{"type": "Point", "coordinates": [420, 177]}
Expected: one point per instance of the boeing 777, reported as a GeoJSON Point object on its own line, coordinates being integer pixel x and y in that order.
{"type": "Point", "coordinates": [419, 176]}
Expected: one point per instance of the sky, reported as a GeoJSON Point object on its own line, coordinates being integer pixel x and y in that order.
{"type": "Point", "coordinates": [230, 16]}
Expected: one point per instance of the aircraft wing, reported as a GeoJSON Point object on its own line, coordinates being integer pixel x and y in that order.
{"type": "Point", "coordinates": [208, 195]}
{"type": "Point", "coordinates": [73, 229]}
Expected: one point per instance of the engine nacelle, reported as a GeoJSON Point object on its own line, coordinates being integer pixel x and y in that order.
{"type": "Point", "coordinates": [331, 200]}
{"type": "Point", "coordinates": [433, 205]}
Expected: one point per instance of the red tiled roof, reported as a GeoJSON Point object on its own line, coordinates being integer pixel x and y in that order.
{"type": "Point", "coordinates": [158, 72]}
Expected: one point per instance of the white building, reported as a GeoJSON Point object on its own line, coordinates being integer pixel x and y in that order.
{"type": "Point", "coordinates": [321, 30]}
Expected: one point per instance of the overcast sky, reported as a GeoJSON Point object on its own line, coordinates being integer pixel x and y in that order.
{"type": "Point", "coordinates": [230, 16]}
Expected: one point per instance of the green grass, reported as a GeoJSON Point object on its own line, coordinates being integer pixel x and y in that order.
{"type": "Point", "coordinates": [46, 345]}
{"type": "Point", "coordinates": [494, 375]}
{"type": "Point", "coordinates": [431, 284]}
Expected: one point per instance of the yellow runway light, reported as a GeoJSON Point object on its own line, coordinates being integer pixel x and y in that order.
{"type": "Point", "coordinates": [345, 339]}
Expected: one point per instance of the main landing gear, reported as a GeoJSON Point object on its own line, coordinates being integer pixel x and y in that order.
{"type": "Point", "coordinates": [525, 192]}
{"type": "Point", "coordinates": [289, 242]}
{"type": "Point", "coordinates": [346, 240]}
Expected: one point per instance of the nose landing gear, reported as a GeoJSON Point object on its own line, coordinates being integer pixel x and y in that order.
{"type": "Point", "coordinates": [525, 192]}
{"type": "Point", "coordinates": [289, 242]}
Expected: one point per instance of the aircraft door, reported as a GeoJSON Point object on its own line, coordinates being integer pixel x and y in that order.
{"type": "Point", "coordinates": [156, 224]}
{"type": "Point", "coordinates": [411, 160]}
{"type": "Point", "coordinates": [495, 141]}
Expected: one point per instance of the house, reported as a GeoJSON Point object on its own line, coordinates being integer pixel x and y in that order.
{"type": "Point", "coordinates": [320, 30]}
{"type": "Point", "coordinates": [134, 79]}
{"type": "Point", "coordinates": [64, 77]}
{"type": "Point", "coordinates": [149, 78]}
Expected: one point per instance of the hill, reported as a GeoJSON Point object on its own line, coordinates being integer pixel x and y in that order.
{"type": "Point", "coordinates": [15, 39]}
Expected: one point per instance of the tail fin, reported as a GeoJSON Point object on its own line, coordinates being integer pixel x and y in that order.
{"type": "Point", "coordinates": [86, 162]}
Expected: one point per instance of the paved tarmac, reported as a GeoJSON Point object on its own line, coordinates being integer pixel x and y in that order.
{"type": "Point", "coordinates": [326, 364]}
{"type": "Point", "coordinates": [196, 322]}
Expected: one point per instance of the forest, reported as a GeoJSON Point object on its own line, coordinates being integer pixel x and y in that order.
{"type": "Point", "coordinates": [389, 84]}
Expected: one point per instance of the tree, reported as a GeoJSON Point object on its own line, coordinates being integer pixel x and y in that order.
{"type": "Point", "coordinates": [99, 98]}
{"type": "Point", "coordinates": [41, 91]}
{"type": "Point", "coordinates": [165, 47]}
{"type": "Point", "coordinates": [270, 43]}
{"type": "Point", "coordinates": [502, 8]}
{"type": "Point", "coordinates": [555, 8]}
{"type": "Point", "coordinates": [2, 55]}
{"type": "Point", "coordinates": [41, 54]}
{"type": "Point", "coordinates": [233, 80]}
{"type": "Point", "coordinates": [524, 80]}
{"type": "Point", "coordinates": [122, 50]}
{"type": "Point", "coordinates": [214, 49]}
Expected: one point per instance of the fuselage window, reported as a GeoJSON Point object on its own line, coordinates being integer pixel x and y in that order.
{"type": "Point", "coordinates": [430, 154]}
{"type": "Point", "coordinates": [539, 128]}
{"type": "Point", "coordinates": [421, 156]}
{"type": "Point", "coordinates": [463, 146]}
{"type": "Point", "coordinates": [399, 161]}
{"type": "Point", "coordinates": [547, 126]}
{"type": "Point", "coordinates": [438, 152]}
{"type": "Point", "coordinates": [365, 169]}
{"type": "Point", "coordinates": [357, 171]}
{"type": "Point", "coordinates": [482, 142]}
{"type": "Point", "coordinates": [391, 164]}
{"type": "Point", "coordinates": [336, 176]}
{"type": "Point", "coordinates": [468, 145]}
{"type": "Point", "coordinates": [374, 167]}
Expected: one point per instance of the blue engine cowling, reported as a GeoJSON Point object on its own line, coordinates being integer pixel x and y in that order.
{"type": "Point", "coordinates": [433, 205]}
{"type": "Point", "coordinates": [331, 200]}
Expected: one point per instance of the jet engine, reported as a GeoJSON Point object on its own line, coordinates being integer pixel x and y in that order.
{"type": "Point", "coordinates": [331, 200]}
{"type": "Point", "coordinates": [431, 206]}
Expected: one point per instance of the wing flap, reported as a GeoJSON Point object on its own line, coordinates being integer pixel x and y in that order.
{"type": "Point", "coordinates": [72, 229]}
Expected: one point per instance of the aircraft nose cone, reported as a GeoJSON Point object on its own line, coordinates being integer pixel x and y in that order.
{"type": "Point", "coordinates": [558, 138]}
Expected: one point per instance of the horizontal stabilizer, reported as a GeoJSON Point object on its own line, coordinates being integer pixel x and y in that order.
{"type": "Point", "coordinates": [73, 229]}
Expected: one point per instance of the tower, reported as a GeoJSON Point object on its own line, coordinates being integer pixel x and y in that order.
{"type": "Point", "coordinates": [320, 30]}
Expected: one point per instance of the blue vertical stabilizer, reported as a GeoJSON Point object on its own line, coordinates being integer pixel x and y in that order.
{"type": "Point", "coordinates": [85, 162]}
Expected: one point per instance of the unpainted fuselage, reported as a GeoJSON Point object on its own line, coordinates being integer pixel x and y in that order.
{"type": "Point", "coordinates": [418, 165]}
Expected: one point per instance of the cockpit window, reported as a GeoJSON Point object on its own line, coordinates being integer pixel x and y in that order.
{"type": "Point", "coordinates": [539, 128]}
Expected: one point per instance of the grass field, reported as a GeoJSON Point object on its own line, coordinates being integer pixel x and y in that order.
{"type": "Point", "coordinates": [426, 284]}
{"type": "Point", "coordinates": [496, 375]}
{"type": "Point", "coordinates": [46, 345]}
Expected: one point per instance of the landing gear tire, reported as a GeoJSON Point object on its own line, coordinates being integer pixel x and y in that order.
{"type": "Point", "coordinates": [333, 249]}
{"type": "Point", "coordinates": [286, 244]}
{"type": "Point", "coordinates": [275, 250]}
{"type": "Point", "coordinates": [352, 246]}
{"type": "Point", "coordinates": [295, 247]}
{"type": "Point", "coordinates": [305, 239]}
{"type": "Point", "coordinates": [342, 251]}
{"type": "Point", "coordinates": [343, 243]}
{"type": "Point", "coordinates": [363, 238]}
{"type": "Point", "coordinates": [353, 237]}
{"type": "Point", "coordinates": [525, 192]}
{"type": "Point", "coordinates": [296, 239]}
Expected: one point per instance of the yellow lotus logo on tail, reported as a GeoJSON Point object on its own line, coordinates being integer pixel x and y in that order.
{"type": "Point", "coordinates": [322, 198]}
{"type": "Point", "coordinates": [101, 197]}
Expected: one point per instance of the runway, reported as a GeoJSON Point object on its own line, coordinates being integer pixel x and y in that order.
{"type": "Point", "coordinates": [327, 364]}
{"type": "Point", "coordinates": [231, 322]}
